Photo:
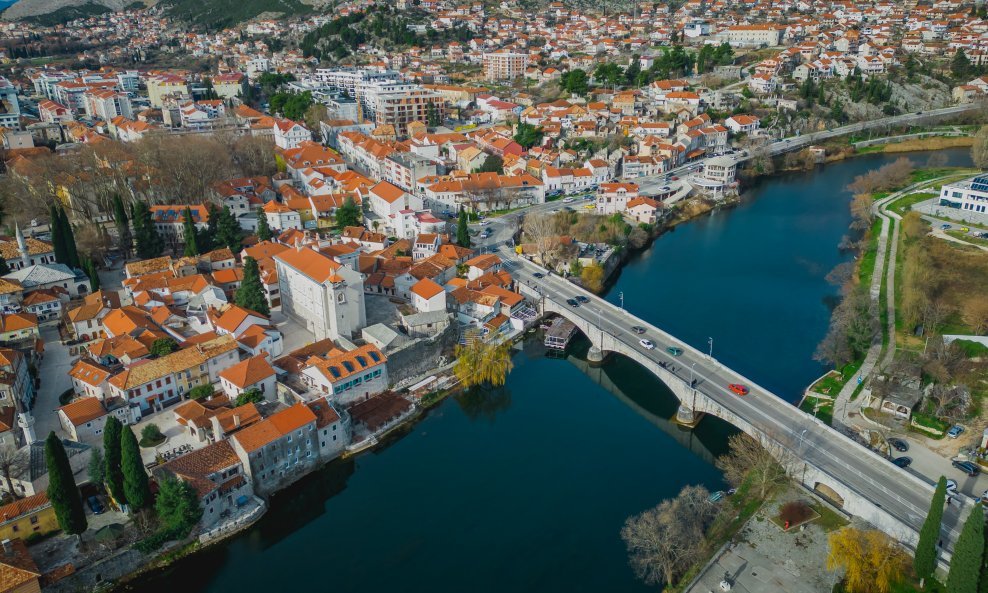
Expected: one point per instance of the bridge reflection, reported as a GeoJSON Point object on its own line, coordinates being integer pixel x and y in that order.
{"type": "Point", "coordinates": [641, 391]}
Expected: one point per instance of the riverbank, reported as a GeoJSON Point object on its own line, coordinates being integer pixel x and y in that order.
{"type": "Point", "coordinates": [836, 152]}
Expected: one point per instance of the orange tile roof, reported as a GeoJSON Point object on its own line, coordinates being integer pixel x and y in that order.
{"type": "Point", "coordinates": [17, 568]}
{"type": "Point", "coordinates": [311, 263]}
{"type": "Point", "coordinates": [275, 427]}
{"type": "Point", "coordinates": [426, 288]}
{"type": "Point", "coordinates": [248, 372]}
{"type": "Point", "coordinates": [83, 410]}
{"type": "Point", "coordinates": [24, 506]}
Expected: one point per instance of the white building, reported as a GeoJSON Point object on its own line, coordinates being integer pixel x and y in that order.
{"type": "Point", "coordinates": [320, 293]}
{"type": "Point", "coordinates": [613, 198]}
{"type": "Point", "coordinates": [970, 196]}
{"type": "Point", "coordinates": [289, 134]}
{"type": "Point", "coordinates": [348, 376]}
{"type": "Point", "coordinates": [254, 373]}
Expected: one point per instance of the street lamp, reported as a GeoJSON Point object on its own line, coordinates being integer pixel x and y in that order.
{"type": "Point", "coordinates": [692, 369]}
{"type": "Point", "coordinates": [711, 342]}
{"type": "Point", "coordinates": [621, 296]}
{"type": "Point", "coordinates": [801, 438]}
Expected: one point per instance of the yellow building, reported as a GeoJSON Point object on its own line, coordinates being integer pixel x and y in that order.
{"type": "Point", "coordinates": [26, 516]}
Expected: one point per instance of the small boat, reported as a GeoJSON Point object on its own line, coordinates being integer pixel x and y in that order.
{"type": "Point", "coordinates": [715, 496]}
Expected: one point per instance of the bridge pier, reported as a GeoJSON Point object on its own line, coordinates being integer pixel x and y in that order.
{"type": "Point", "coordinates": [596, 356]}
{"type": "Point", "coordinates": [687, 416]}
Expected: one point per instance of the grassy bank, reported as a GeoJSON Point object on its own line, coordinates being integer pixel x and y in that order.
{"type": "Point", "coordinates": [918, 144]}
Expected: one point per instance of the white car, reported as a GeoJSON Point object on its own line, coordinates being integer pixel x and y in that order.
{"type": "Point", "coordinates": [567, 200]}
{"type": "Point", "coordinates": [484, 222]}
{"type": "Point", "coordinates": [646, 344]}
{"type": "Point", "coordinates": [951, 487]}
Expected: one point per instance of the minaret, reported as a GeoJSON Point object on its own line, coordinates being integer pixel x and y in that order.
{"type": "Point", "coordinates": [21, 243]}
{"type": "Point", "coordinates": [26, 423]}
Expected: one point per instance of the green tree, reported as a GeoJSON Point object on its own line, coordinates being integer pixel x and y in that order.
{"type": "Point", "coordinates": [205, 238]}
{"type": "Point", "coordinates": [97, 467]}
{"type": "Point", "coordinates": [151, 435]}
{"type": "Point", "coordinates": [71, 252]}
{"type": "Point", "coordinates": [111, 448]}
{"type": "Point", "coordinates": [493, 164]}
{"type": "Point", "coordinates": [62, 490]}
{"type": "Point", "coordinates": [4, 267]}
{"type": "Point", "coordinates": [263, 230]}
{"type": "Point", "coordinates": [228, 231]}
{"type": "Point", "coordinates": [250, 295]}
{"type": "Point", "coordinates": [201, 392]}
{"type": "Point", "coordinates": [960, 65]}
{"type": "Point", "coordinates": [432, 118]}
{"type": "Point", "coordinates": [162, 346]}
{"type": "Point", "coordinates": [925, 561]}
{"type": "Point", "coordinates": [177, 506]}
{"type": "Point", "coordinates": [462, 230]}
{"type": "Point", "coordinates": [122, 223]}
{"type": "Point", "coordinates": [89, 267]}
{"type": "Point", "coordinates": [189, 233]}
{"type": "Point", "coordinates": [528, 135]}
{"type": "Point", "coordinates": [57, 236]}
{"type": "Point", "coordinates": [250, 396]}
{"type": "Point", "coordinates": [149, 242]}
{"type": "Point", "coordinates": [135, 478]}
{"type": "Point", "coordinates": [348, 214]}
{"type": "Point", "coordinates": [480, 363]}
{"type": "Point", "coordinates": [575, 81]}
{"type": "Point", "coordinates": [965, 565]}
{"type": "Point", "coordinates": [209, 93]}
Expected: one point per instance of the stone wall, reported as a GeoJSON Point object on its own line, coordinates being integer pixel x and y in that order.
{"type": "Point", "coordinates": [98, 575]}
{"type": "Point", "coordinates": [421, 355]}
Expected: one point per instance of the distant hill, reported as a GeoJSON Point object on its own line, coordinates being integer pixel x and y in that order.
{"type": "Point", "coordinates": [55, 11]}
{"type": "Point", "coordinates": [216, 14]}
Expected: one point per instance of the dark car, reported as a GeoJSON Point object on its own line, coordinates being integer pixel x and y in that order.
{"type": "Point", "coordinates": [572, 302]}
{"type": "Point", "coordinates": [638, 329]}
{"type": "Point", "coordinates": [95, 505]}
{"type": "Point", "coordinates": [583, 299]}
{"type": "Point", "coordinates": [967, 467]}
{"type": "Point", "coordinates": [902, 461]}
{"type": "Point", "coordinates": [539, 275]}
{"type": "Point", "coordinates": [899, 445]}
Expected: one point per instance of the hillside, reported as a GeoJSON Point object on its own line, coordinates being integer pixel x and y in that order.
{"type": "Point", "coordinates": [60, 10]}
{"type": "Point", "coordinates": [216, 14]}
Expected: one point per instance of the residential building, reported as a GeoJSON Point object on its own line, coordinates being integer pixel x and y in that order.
{"type": "Point", "coordinates": [613, 198]}
{"type": "Point", "coordinates": [320, 293]}
{"type": "Point", "coordinates": [279, 449]}
{"type": "Point", "coordinates": [253, 373]}
{"type": "Point", "coordinates": [504, 65]}
{"type": "Point", "coordinates": [345, 377]}
{"type": "Point", "coordinates": [24, 518]}
{"type": "Point", "coordinates": [218, 475]}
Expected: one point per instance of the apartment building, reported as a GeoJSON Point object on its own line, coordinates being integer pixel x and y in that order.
{"type": "Point", "coordinates": [400, 103]}
{"type": "Point", "coordinates": [504, 65]}
{"type": "Point", "coordinates": [106, 104]}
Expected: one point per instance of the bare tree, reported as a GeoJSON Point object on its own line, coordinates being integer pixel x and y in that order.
{"type": "Point", "coordinates": [979, 150]}
{"type": "Point", "coordinates": [763, 462]}
{"type": "Point", "coordinates": [949, 402]}
{"type": "Point", "coordinates": [12, 463]}
{"type": "Point", "coordinates": [934, 315]}
{"type": "Point", "coordinates": [541, 232]}
{"type": "Point", "coordinates": [663, 542]}
{"type": "Point", "coordinates": [975, 314]}
{"type": "Point", "coordinates": [253, 156]}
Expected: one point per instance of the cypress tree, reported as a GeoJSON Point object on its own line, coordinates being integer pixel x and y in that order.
{"type": "Point", "coordinates": [4, 267]}
{"type": "Point", "coordinates": [70, 249]}
{"type": "Point", "coordinates": [462, 231]}
{"type": "Point", "coordinates": [149, 243]}
{"type": "Point", "coordinates": [228, 231]}
{"type": "Point", "coordinates": [111, 455]}
{"type": "Point", "coordinates": [89, 266]}
{"type": "Point", "coordinates": [965, 565]}
{"type": "Point", "coordinates": [925, 561]}
{"type": "Point", "coordinates": [62, 490]}
{"type": "Point", "coordinates": [57, 238]}
{"type": "Point", "coordinates": [189, 230]}
{"type": "Point", "coordinates": [250, 295]}
{"type": "Point", "coordinates": [135, 479]}
{"type": "Point", "coordinates": [123, 224]}
{"type": "Point", "coordinates": [263, 230]}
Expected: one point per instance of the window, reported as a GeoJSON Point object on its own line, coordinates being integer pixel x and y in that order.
{"type": "Point", "coordinates": [34, 520]}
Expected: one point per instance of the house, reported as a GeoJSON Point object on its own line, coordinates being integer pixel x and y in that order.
{"type": "Point", "coordinates": [22, 252]}
{"type": "Point", "coordinates": [742, 123]}
{"type": "Point", "coordinates": [281, 218]}
{"type": "Point", "coordinates": [51, 276]}
{"type": "Point", "coordinates": [320, 293]}
{"type": "Point", "coordinates": [643, 210]}
{"type": "Point", "coordinates": [387, 200]}
{"type": "Point", "coordinates": [428, 296]}
{"type": "Point", "coordinates": [482, 264]}
{"type": "Point", "coordinates": [18, 571]}
{"type": "Point", "coordinates": [333, 430]}
{"type": "Point", "coordinates": [25, 517]}
{"type": "Point", "coordinates": [346, 377]}
{"type": "Point", "coordinates": [289, 134]}
{"type": "Point", "coordinates": [83, 419]}
{"type": "Point", "coordinates": [18, 326]}
{"type": "Point", "coordinates": [253, 373]}
{"type": "Point", "coordinates": [16, 383]}
{"type": "Point", "coordinates": [218, 475]}
{"type": "Point", "coordinates": [613, 198]}
{"type": "Point", "coordinates": [279, 449]}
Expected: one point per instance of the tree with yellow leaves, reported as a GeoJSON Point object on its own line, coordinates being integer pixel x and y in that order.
{"type": "Point", "coordinates": [872, 561]}
{"type": "Point", "coordinates": [481, 363]}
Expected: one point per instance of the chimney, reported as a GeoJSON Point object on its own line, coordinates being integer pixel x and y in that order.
{"type": "Point", "coordinates": [236, 420]}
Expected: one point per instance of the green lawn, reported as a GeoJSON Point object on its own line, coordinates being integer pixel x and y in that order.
{"type": "Point", "coordinates": [834, 381]}
{"type": "Point", "coordinates": [830, 520]}
{"type": "Point", "coordinates": [826, 411]}
{"type": "Point", "coordinates": [968, 238]}
{"type": "Point", "coordinates": [905, 203]}
{"type": "Point", "coordinates": [971, 349]}
{"type": "Point", "coordinates": [866, 265]}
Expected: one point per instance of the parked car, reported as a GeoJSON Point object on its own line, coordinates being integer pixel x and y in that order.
{"type": "Point", "coordinates": [674, 351]}
{"type": "Point", "coordinates": [646, 344]}
{"type": "Point", "coordinates": [899, 445]}
{"type": "Point", "coordinates": [567, 200]}
{"type": "Point", "coordinates": [955, 431]}
{"type": "Point", "coordinates": [583, 299]}
{"type": "Point", "coordinates": [638, 329]}
{"type": "Point", "coordinates": [952, 487]}
{"type": "Point", "coordinates": [967, 467]}
{"type": "Point", "coordinates": [95, 505]}
{"type": "Point", "coordinates": [944, 227]}
{"type": "Point", "coordinates": [903, 462]}
{"type": "Point", "coordinates": [484, 222]}
{"type": "Point", "coordinates": [738, 388]}
{"type": "Point", "coordinates": [572, 302]}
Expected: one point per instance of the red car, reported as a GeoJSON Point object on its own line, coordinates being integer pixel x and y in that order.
{"type": "Point", "coordinates": [738, 389]}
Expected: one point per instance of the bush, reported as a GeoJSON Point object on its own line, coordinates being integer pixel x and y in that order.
{"type": "Point", "coordinates": [201, 392]}
{"type": "Point", "coordinates": [66, 396]}
{"type": "Point", "coordinates": [795, 512]}
{"type": "Point", "coordinates": [151, 436]}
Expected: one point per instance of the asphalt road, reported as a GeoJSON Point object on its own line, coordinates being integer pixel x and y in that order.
{"type": "Point", "coordinates": [903, 495]}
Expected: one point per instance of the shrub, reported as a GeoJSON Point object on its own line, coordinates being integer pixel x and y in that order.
{"type": "Point", "coordinates": [201, 392]}
{"type": "Point", "coordinates": [795, 512]}
{"type": "Point", "coordinates": [151, 435]}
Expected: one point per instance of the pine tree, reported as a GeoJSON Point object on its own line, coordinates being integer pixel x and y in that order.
{"type": "Point", "coordinates": [263, 230]}
{"type": "Point", "coordinates": [149, 242]}
{"type": "Point", "coordinates": [228, 232]}
{"type": "Point", "coordinates": [111, 453]}
{"type": "Point", "coordinates": [72, 254]}
{"type": "Point", "coordinates": [135, 479]}
{"type": "Point", "coordinates": [62, 490]}
{"type": "Point", "coordinates": [57, 238]}
{"type": "Point", "coordinates": [462, 230]}
{"type": "Point", "coordinates": [206, 238]}
{"type": "Point", "coordinates": [123, 224]}
{"type": "Point", "coordinates": [925, 561]}
{"type": "Point", "coordinates": [960, 65]}
{"type": "Point", "coordinates": [189, 232]}
{"type": "Point", "coordinates": [965, 565]}
{"type": "Point", "coordinates": [250, 295]}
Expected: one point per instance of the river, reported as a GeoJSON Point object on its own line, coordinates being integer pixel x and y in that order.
{"type": "Point", "coordinates": [526, 488]}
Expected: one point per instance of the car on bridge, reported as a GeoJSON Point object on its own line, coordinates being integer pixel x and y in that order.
{"type": "Point", "coordinates": [583, 300]}
{"type": "Point", "coordinates": [967, 467]}
{"type": "Point", "coordinates": [899, 445]}
{"type": "Point", "coordinates": [674, 351]}
{"type": "Point", "coordinates": [902, 462]}
{"type": "Point", "coordinates": [572, 302]}
{"type": "Point", "coordinates": [738, 388]}
{"type": "Point", "coordinates": [639, 330]}
{"type": "Point", "coordinates": [539, 275]}
{"type": "Point", "coordinates": [646, 344]}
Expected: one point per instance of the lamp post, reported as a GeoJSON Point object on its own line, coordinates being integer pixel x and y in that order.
{"type": "Point", "coordinates": [801, 438]}
{"type": "Point", "coordinates": [621, 297]}
{"type": "Point", "coordinates": [711, 342]}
